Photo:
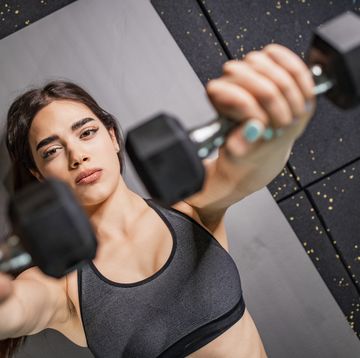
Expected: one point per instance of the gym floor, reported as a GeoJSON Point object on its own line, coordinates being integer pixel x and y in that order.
{"type": "Point", "coordinates": [315, 192]}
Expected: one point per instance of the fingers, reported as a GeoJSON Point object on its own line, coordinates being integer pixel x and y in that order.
{"type": "Point", "coordinates": [265, 92]}
{"type": "Point", "coordinates": [295, 66]}
{"type": "Point", "coordinates": [234, 101]}
{"type": "Point", "coordinates": [287, 85]}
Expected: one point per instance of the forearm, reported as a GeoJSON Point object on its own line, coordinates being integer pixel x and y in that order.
{"type": "Point", "coordinates": [247, 177]}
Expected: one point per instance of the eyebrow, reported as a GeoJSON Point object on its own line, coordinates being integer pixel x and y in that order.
{"type": "Point", "coordinates": [54, 137]}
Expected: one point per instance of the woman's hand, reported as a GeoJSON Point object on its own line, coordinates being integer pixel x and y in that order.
{"type": "Point", "coordinates": [270, 90]}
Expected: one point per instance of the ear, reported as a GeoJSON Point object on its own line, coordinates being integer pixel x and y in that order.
{"type": "Point", "coordinates": [37, 175]}
{"type": "Point", "coordinates": [113, 138]}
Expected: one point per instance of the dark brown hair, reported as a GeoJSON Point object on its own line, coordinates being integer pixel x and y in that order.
{"type": "Point", "coordinates": [19, 119]}
{"type": "Point", "coordinates": [24, 109]}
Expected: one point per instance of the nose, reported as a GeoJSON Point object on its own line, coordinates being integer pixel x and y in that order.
{"type": "Point", "coordinates": [75, 161]}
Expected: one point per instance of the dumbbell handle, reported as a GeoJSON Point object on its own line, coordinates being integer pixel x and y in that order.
{"type": "Point", "coordinates": [13, 257]}
{"type": "Point", "coordinates": [211, 136]}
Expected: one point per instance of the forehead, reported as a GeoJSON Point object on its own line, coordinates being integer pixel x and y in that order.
{"type": "Point", "coordinates": [61, 111]}
{"type": "Point", "coordinates": [59, 114]}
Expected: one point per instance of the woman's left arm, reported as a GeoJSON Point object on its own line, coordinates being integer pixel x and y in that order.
{"type": "Point", "coordinates": [274, 87]}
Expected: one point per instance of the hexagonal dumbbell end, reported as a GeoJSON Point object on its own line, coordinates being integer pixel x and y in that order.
{"type": "Point", "coordinates": [165, 159]}
{"type": "Point", "coordinates": [52, 226]}
{"type": "Point", "coordinates": [336, 48]}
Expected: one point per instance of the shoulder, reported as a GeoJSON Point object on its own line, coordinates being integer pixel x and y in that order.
{"type": "Point", "coordinates": [218, 230]}
{"type": "Point", "coordinates": [55, 290]}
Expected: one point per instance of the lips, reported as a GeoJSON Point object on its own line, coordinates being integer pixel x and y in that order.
{"type": "Point", "coordinates": [86, 173]}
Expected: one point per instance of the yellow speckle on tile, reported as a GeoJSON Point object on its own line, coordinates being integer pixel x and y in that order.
{"type": "Point", "coordinates": [330, 207]}
{"type": "Point", "coordinates": [351, 177]}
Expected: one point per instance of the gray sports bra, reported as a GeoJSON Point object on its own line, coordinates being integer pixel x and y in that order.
{"type": "Point", "coordinates": [190, 301]}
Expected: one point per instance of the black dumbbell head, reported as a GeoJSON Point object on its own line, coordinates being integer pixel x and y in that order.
{"type": "Point", "coordinates": [52, 226]}
{"type": "Point", "coordinates": [165, 159]}
{"type": "Point", "coordinates": [336, 47]}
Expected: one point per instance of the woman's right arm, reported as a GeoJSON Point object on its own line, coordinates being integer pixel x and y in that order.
{"type": "Point", "coordinates": [31, 303]}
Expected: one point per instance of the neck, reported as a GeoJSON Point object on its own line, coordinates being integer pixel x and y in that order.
{"type": "Point", "coordinates": [115, 219]}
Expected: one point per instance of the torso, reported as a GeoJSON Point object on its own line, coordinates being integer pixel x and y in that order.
{"type": "Point", "coordinates": [241, 340]}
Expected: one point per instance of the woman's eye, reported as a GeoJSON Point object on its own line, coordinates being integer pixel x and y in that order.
{"type": "Point", "coordinates": [49, 153]}
{"type": "Point", "coordinates": [89, 130]}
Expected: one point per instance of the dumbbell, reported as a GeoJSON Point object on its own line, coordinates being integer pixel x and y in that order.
{"type": "Point", "coordinates": [168, 158]}
{"type": "Point", "coordinates": [49, 229]}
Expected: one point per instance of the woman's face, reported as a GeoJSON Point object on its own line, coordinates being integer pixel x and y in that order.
{"type": "Point", "coordinates": [88, 145]}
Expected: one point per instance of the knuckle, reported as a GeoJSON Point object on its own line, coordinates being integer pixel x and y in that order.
{"type": "Point", "coordinates": [253, 56]}
{"type": "Point", "coordinates": [286, 86]}
{"type": "Point", "coordinates": [269, 93]}
{"type": "Point", "coordinates": [271, 48]}
{"type": "Point", "coordinates": [212, 86]}
{"type": "Point", "coordinates": [231, 66]}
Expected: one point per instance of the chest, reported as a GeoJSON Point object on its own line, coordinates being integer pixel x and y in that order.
{"type": "Point", "coordinates": [188, 286]}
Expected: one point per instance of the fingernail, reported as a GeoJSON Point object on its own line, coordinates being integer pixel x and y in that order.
{"type": "Point", "coordinates": [253, 130]}
{"type": "Point", "coordinates": [268, 133]}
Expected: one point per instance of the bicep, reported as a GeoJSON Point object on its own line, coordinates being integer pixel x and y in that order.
{"type": "Point", "coordinates": [43, 301]}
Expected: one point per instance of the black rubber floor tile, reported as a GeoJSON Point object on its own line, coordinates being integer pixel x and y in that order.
{"type": "Point", "coordinates": [16, 14]}
{"type": "Point", "coordinates": [190, 29]}
{"type": "Point", "coordinates": [331, 139]}
{"type": "Point", "coordinates": [324, 254]}
{"type": "Point", "coordinates": [338, 205]}
{"type": "Point", "coordinates": [285, 184]}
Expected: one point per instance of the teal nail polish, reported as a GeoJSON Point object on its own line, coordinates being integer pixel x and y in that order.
{"type": "Point", "coordinates": [268, 134]}
{"type": "Point", "coordinates": [252, 131]}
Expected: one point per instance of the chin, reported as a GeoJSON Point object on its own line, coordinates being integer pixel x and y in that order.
{"type": "Point", "coordinates": [96, 194]}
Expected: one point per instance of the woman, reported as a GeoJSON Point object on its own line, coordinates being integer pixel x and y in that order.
{"type": "Point", "coordinates": [162, 283]}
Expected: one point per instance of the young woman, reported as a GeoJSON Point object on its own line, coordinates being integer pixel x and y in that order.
{"type": "Point", "coordinates": [162, 283]}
